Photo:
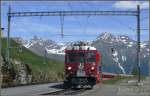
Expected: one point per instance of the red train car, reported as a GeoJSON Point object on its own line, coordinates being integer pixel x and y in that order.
{"type": "Point", "coordinates": [107, 75]}
{"type": "Point", "coordinates": [81, 66]}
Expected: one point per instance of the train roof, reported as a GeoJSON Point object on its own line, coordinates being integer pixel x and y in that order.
{"type": "Point", "coordinates": [80, 48]}
{"type": "Point", "coordinates": [80, 45]}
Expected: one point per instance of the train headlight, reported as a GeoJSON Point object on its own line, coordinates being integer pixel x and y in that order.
{"type": "Point", "coordinates": [69, 68]}
{"type": "Point", "coordinates": [92, 68]}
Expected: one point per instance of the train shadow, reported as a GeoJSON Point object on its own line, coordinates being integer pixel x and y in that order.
{"type": "Point", "coordinates": [58, 86]}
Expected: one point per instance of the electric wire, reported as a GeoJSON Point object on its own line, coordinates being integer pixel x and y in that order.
{"type": "Point", "coordinates": [25, 26]}
{"type": "Point", "coordinates": [79, 23]}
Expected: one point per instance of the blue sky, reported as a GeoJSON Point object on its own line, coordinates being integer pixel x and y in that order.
{"type": "Point", "coordinates": [77, 27]}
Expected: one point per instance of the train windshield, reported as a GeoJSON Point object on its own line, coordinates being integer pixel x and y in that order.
{"type": "Point", "coordinates": [76, 57]}
{"type": "Point", "coordinates": [90, 57]}
{"type": "Point", "coordinates": [81, 57]}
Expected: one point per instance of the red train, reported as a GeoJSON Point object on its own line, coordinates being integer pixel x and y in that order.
{"type": "Point", "coordinates": [82, 66]}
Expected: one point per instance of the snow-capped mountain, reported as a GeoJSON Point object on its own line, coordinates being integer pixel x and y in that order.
{"type": "Point", "coordinates": [118, 52]}
{"type": "Point", "coordinates": [106, 37]}
{"type": "Point", "coordinates": [39, 45]}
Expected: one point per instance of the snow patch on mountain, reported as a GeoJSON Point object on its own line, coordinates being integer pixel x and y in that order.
{"type": "Point", "coordinates": [125, 40]}
{"type": "Point", "coordinates": [58, 51]}
{"type": "Point", "coordinates": [55, 51]}
{"type": "Point", "coordinates": [60, 43]}
{"type": "Point", "coordinates": [143, 45]}
{"type": "Point", "coordinates": [130, 45]}
{"type": "Point", "coordinates": [106, 37]}
{"type": "Point", "coordinates": [116, 59]}
{"type": "Point", "coordinates": [28, 45]}
{"type": "Point", "coordinates": [115, 53]}
{"type": "Point", "coordinates": [121, 68]}
{"type": "Point", "coordinates": [124, 58]}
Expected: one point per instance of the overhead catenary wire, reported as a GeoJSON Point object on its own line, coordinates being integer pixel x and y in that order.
{"type": "Point", "coordinates": [129, 27]}
{"type": "Point", "coordinates": [89, 5]}
{"type": "Point", "coordinates": [84, 27]}
{"type": "Point", "coordinates": [62, 26]}
{"type": "Point", "coordinates": [120, 22]}
{"type": "Point", "coordinates": [21, 5]}
{"type": "Point", "coordinates": [144, 18]}
{"type": "Point", "coordinates": [72, 13]}
{"type": "Point", "coordinates": [61, 22]}
{"type": "Point", "coordinates": [124, 24]}
{"type": "Point", "coordinates": [87, 22]}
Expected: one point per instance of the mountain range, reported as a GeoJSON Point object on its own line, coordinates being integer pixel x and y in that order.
{"type": "Point", "coordinates": [119, 54]}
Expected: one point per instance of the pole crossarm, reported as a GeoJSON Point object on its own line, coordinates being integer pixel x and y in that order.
{"type": "Point", "coordinates": [70, 13]}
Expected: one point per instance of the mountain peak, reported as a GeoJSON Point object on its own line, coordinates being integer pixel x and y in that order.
{"type": "Point", "coordinates": [36, 38]}
{"type": "Point", "coordinates": [123, 37]}
{"type": "Point", "coordinates": [106, 36]}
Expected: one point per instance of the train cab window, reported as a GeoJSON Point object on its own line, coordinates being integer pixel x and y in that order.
{"type": "Point", "coordinates": [72, 57]}
{"type": "Point", "coordinates": [91, 57]}
{"type": "Point", "coordinates": [81, 56]}
{"type": "Point", "coordinates": [76, 57]}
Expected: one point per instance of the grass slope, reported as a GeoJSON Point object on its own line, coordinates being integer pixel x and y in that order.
{"type": "Point", "coordinates": [53, 69]}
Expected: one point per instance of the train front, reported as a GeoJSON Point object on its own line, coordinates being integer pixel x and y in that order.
{"type": "Point", "coordinates": [81, 66]}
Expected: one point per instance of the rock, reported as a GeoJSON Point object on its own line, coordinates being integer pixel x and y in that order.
{"type": "Point", "coordinates": [132, 82]}
{"type": "Point", "coordinates": [140, 84]}
{"type": "Point", "coordinates": [29, 79]}
{"type": "Point", "coordinates": [23, 72]}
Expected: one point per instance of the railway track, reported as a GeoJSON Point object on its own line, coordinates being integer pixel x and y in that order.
{"type": "Point", "coordinates": [66, 92]}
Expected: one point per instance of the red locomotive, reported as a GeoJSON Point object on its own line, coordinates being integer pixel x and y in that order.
{"type": "Point", "coordinates": [82, 66]}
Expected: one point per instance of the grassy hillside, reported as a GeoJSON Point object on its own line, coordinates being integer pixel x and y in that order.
{"type": "Point", "coordinates": [52, 70]}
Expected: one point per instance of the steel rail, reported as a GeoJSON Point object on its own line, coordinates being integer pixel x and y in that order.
{"type": "Point", "coordinates": [66, 92]}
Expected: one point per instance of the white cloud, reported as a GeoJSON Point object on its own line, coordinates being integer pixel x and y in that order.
{"type": "Point", "coordinates": [131, 4]}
